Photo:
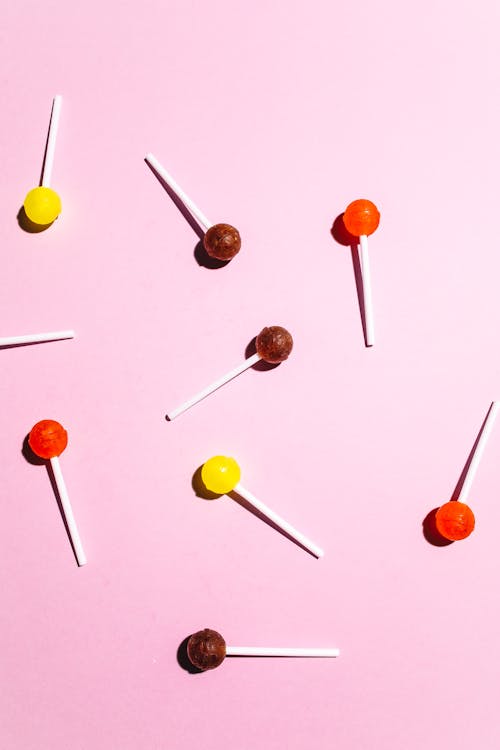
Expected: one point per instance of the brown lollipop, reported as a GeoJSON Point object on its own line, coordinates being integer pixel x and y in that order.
{"type": "Point", "coordinates": [273, 345]}
{"type": "Point", "coordinates": [221, 241]}
{"type": "Point", "coordinates": [207, 649]}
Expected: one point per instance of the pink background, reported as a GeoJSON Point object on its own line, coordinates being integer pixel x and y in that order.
{"type": "Point", "coordinates": [273, 116]}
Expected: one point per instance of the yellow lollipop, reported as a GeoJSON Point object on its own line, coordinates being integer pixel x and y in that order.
{"type": "Point", "coordinates": [221, 475]}
{"type": "Point", "coordinates": [42, 205]}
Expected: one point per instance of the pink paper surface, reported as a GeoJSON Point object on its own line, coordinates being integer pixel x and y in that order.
{"type": "Point", "coordinates": [273, 116]}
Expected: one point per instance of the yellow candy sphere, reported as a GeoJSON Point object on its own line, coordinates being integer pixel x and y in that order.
{"type": "Point", "coordinates": [42, 205]}
{"type": "Point", "coordinates": [220, 474]}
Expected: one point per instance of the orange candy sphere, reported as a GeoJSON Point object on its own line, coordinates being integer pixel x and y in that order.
{"type": "Point", "coordinates": [455, 520]}
{"type": "Point", "coordinates": [48, 439]}
{"type": "Point", "coordinates": [361, 217]}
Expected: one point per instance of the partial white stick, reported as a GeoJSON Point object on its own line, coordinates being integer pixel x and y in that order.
{"type": "Point", "coordinates": [51, 141]}
{"type": "Point", "coordinates": [367, 290]}
{"type": "Point", "coordinates": [213, 387]}
{"type": "Point", "coordinates": [275, 518]}
{"type": "Point", "coordinates": [68, 511]}
{"type": "Point", "coordinates": [262, 651]}
{"type": "Point", "coordinates": [34, 338]}
{"type": "Point", "coordinates": [193, 208]}
{"type": "Point", "coordinates": [478, 453]}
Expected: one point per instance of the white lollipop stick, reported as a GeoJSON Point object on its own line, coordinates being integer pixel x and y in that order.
{"type": "Point", "coordinates": [213, 387]}
{"type": "Point", "coordinates": [68, 511]}
{"type": "Point", "coordinates": [34, 338]}
{"type": "Point", "coordinates": [193, 208]}
{"type": "Point", "coordinates": [478, 453]}
{"type": "Point", "coordinates": [271, 651]}
{"type": "Point", "coordinates": [275, 518]}
{"type": "Point", "coordinates": [367, 290]}
{"type": "Point", "coordinates": [51, 141]}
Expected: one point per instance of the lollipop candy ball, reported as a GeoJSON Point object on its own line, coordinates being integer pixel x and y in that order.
{"type": "Point", "coordinates": [48, 438]}
{"type": "Point", "coordinates": [361, 217]}
{"type": "Point", "coordinates": [206, 649]}
{"type": "Point", "coordinates": [455, 521]}
{"type": "Point", "coordinates": [220, 474]}
{"type": "Point", "coordinates": [42, 205]}
{"type": "Point", "coordinates": [222, 241]}
{"type": "Point", "coordinates": [274, 344]}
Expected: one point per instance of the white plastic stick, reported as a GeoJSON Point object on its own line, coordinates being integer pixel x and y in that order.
{"type": "Point", "coordinates": [271, 651]}
{"type": "Point", "coordinates": [275, 518]}
{"type": "Point", "coordinates": [68, 511]}
{"type": "Point", "coordinates": [173, 185]}
{"type": "Point", "coordinates": [34, 338]}
{"type": "Point", "coordinates": [51, 141]}
{"type": "Point", "coordinates": [213, 387]}
{"type": "Point", "coordinates": [364, 260]}
{"type": "Point", "coordinates": [478, 453]}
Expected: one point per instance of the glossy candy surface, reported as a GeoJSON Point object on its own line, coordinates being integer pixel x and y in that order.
{"type": "Point", "coordinates": [455, 521]}
{"type": "Point", "coordinates": [42, 205]}
{"type": "Point", "coordinates": [220, 474]}
{"type": "Point", "coordinates": [222, 241]}
{"type": "Point", "coordinates": [48, 438]}
{"type": "Point", "coordinates": [206, 649]}
{"type": "Point", "coordinates": [274, 344]}
{"type": "Point", "coordinates": [361, 217]}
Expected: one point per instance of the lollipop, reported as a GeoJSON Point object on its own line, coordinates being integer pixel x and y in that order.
{"type": "Point", "coordinates": [35, 338]}
{"type": "Point", "coordinates": [221, 475]}
{"type": "Point", "coordinates": [207, 649]}
{"type": "Point", "coordinates": [455, 520]}
{"type": "Point", "coordinates": [361, 218]}
{"type": "Point", "coordinates": [48, 439]}
{"type": "Point", "coordinates": [221, 241]}
{"type": "Point", "coordinates": [42, 204]}
{"type": "Point", "coordinates": [273, 344]}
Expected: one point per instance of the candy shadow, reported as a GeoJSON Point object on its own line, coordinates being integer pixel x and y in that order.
{"type": "Point", "coordinates": [29, 226]}
{"type": "Point", "coordinates": [28, 454]}
{"type": "Point", "coordinates": [345, 238]}
{"type": "Point", "coordinates": [248, 506]}
{"type": "Point", "coordinates": [183, 658]}
{"type": "Point", "coordinates": [261, 365]}
{"type": "Point", "coordinates": [35, 460]}
{"type": "Point", "coordinates": [199, 487]}
{"type": "Point", "coordinates": [27, 343]}
{"type": "Point", "coordinates": [204, 259]}
{"type": "Point", "coordinates": [430, 531]}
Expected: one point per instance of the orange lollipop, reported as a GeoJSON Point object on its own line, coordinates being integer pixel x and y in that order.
{"type": "Point", "coordinates": [48, 439]}
{"type": "Point", "coordinates": [455, 520]}
{"type": "Point", "coordinates": [361, 218]}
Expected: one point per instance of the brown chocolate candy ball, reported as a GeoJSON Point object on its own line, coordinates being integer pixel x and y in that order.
{"type": "Point", "coordinates": [274, 344]}
{"type": "Point", "coordinates": [222, 241]}
{"type": "Point", "coordinates": [206, 649]}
